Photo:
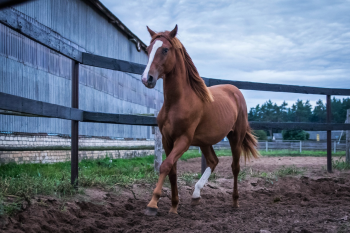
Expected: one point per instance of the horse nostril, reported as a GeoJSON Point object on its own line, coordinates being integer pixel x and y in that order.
{"type": "Point", "coordinates": [150, 79]}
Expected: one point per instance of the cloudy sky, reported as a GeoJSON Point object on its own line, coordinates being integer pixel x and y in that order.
{"type": "Point", "coordinates": [288, 42]}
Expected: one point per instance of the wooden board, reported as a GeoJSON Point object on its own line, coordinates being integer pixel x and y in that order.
{"type": "Point", "coordinates": [22, 25]}
{"type": "Point", "coordinates": [130, 67]}
{"type": "Point", "coordinates": [112, 64]}
{"type": "Point", "coordinates": [37, 108]}
{"type": "Point", "coordinates": [348, 137]}
{"type": "Point", "coordinates": [124, 119]}
{"type": "Point", "coordinates": [280, 87]}
{"type": "Point", "coordinates": [16, 105]}
{"type": "Point", "coordinates": [298, 125]}
{"type": "Point", "coordinates": [8, 3]}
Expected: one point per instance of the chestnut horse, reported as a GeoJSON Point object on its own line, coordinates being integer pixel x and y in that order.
{"type": "Point", "coordinates": [193, 114]}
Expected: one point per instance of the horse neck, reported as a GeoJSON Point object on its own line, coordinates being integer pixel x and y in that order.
{"type": "Point", "coordinates": [176, 86]}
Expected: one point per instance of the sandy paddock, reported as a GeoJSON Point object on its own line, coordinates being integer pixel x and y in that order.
{"type": "Point", "coordinates": [313, 202]}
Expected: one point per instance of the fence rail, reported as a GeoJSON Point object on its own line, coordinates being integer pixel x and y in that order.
{"type": "Point", "coordinates": [130, 67]}
{"type": "Point", "coordinates": [280, 87]}
{"type": "Point", "coordinates": [8, 3]}
{"type": "Point", "coordinates": [18, 105]}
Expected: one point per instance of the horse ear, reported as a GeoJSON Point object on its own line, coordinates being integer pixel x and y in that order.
{"type": "Point", "coordinates": [173, 33]}
{"type": "Point", "coordinates": [152, 33]}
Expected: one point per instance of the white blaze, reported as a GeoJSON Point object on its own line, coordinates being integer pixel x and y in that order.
{"type": "Point", "coordinates": [156, 45]}
{"type": "Point", "coordinates": [201, 182]}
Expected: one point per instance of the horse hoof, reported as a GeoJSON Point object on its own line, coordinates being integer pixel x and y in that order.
{"type": "Point", "coordinates": [151, 211]}
{"type": "Point", "coordinates": [195, 201]}
{"type": "Point", "coordinates": [173, 211]}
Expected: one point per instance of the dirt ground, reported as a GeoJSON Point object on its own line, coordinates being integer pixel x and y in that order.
{"type": "Point", "coordinates": [312, 202]}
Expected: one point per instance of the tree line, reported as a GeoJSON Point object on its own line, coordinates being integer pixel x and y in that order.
{"type": "Point", "coordinates": [301, 111]}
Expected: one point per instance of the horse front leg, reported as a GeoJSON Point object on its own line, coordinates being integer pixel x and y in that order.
{"type": "Point", "coordinates": [168, 146]}
{"type": "Point", "coordinates": [180, 146]}
{"type": "Point", "coordinates": [174, 191]}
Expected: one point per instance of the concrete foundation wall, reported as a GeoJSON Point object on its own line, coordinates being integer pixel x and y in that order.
{"type": "Point", "coordinates": [63, 155]}
{"type": "Point", "coordinates": [22, 142]}
{"type": "Point", "coordinates": [51, 149]}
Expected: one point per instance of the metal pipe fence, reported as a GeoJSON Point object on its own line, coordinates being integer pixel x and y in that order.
{"type": "Point", "coordinates": [290, 145]}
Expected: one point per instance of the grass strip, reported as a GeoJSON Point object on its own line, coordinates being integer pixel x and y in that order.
{"type": "Point", "coordinates": [28, 180]}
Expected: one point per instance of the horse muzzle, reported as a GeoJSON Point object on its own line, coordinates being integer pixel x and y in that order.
{"type": "Point", "coordinates": [149, 81]}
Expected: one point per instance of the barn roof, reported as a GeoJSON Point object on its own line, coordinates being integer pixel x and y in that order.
{"type": "Point", "coordinates": [117, 23]}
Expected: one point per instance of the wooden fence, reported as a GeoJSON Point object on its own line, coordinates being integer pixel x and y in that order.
{"type": "Point", "coordinates": [15, 105]}
{"type": "Point", "coordinates": [8, 3]}
{"type": "Point", "coordinates": [348, 137]}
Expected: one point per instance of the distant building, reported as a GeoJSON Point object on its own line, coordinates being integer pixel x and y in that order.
{"type": "Point", "coordinates": [313, 135]}
{"type": "Point", "coordinates": [31, 70]}
{"type": "Point", "coordinates": [323, 135]}
{"type": "Point", "coordinates": [278, 136]}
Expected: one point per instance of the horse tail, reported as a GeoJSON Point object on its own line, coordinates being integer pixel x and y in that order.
{"type": "Point", "coordinates": [249, 145]}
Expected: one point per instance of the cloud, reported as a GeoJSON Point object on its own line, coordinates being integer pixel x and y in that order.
{"type": "Point", "coordinates": [288, 42]}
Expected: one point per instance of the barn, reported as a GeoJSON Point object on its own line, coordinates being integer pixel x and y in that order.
{"type": "Point", "coordinates": [32, 70]}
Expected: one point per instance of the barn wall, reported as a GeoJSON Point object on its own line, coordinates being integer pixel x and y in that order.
{"type": "Point", "coordinates": [33, 71]}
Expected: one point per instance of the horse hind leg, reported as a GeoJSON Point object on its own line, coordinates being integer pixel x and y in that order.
{"type": "Point", "coordinates": [212, 160]}
{"type": "Point", "coordinates": [235, 143]}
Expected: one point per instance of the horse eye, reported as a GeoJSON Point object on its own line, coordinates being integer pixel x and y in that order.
{"type": "Point", "coordinates": [165, 51]}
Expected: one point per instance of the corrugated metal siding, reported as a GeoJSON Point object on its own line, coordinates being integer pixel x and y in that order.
{"type": "Point", "coordinates": [30, 70]}
{"type": "Point", "coordinates": [81, 24]}
{"type": "Point", "coordinates": [34, 71]}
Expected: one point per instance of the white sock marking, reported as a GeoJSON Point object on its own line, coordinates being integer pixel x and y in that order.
{"type": "Point", "coordinates": [155, 47]}
{"type": "Point", "coordinates": [201, 182]}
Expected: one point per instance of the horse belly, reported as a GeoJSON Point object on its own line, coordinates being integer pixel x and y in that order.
{"type": "Point", "coordinates": [215, 127]}
{"type": "Point", "coordinates": [203, 140]}
{"type": "Point", "coordinates": [218, 117]}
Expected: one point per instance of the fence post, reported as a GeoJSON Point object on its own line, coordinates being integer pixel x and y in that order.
{"type": "Point", "coordinates": [75, 126]}
{"type": "Point", "coordinates": [329, 136]}
{"type": "Point", "coordinates": [300, 147]}
{"type": "Point", "coordinates": [348, 138]}
{"type": "Point", "coordinates": [335, 147]}
{"type": "Point", "coordinates": [158, 147]}
{"type": "Point", "coordinates": [266, 145]}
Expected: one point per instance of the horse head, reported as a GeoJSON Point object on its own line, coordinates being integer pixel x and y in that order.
{"type": "Point", "coordinates": [161, 57]}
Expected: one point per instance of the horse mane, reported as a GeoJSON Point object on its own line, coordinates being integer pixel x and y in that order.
{"type": "Point", "coordinates": [196, 82]}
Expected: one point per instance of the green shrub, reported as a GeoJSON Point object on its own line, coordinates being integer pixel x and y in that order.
{"type": "Point", "coordinates": [295, 135]}
{"type": "Point", "coordinates": [260, 134]}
